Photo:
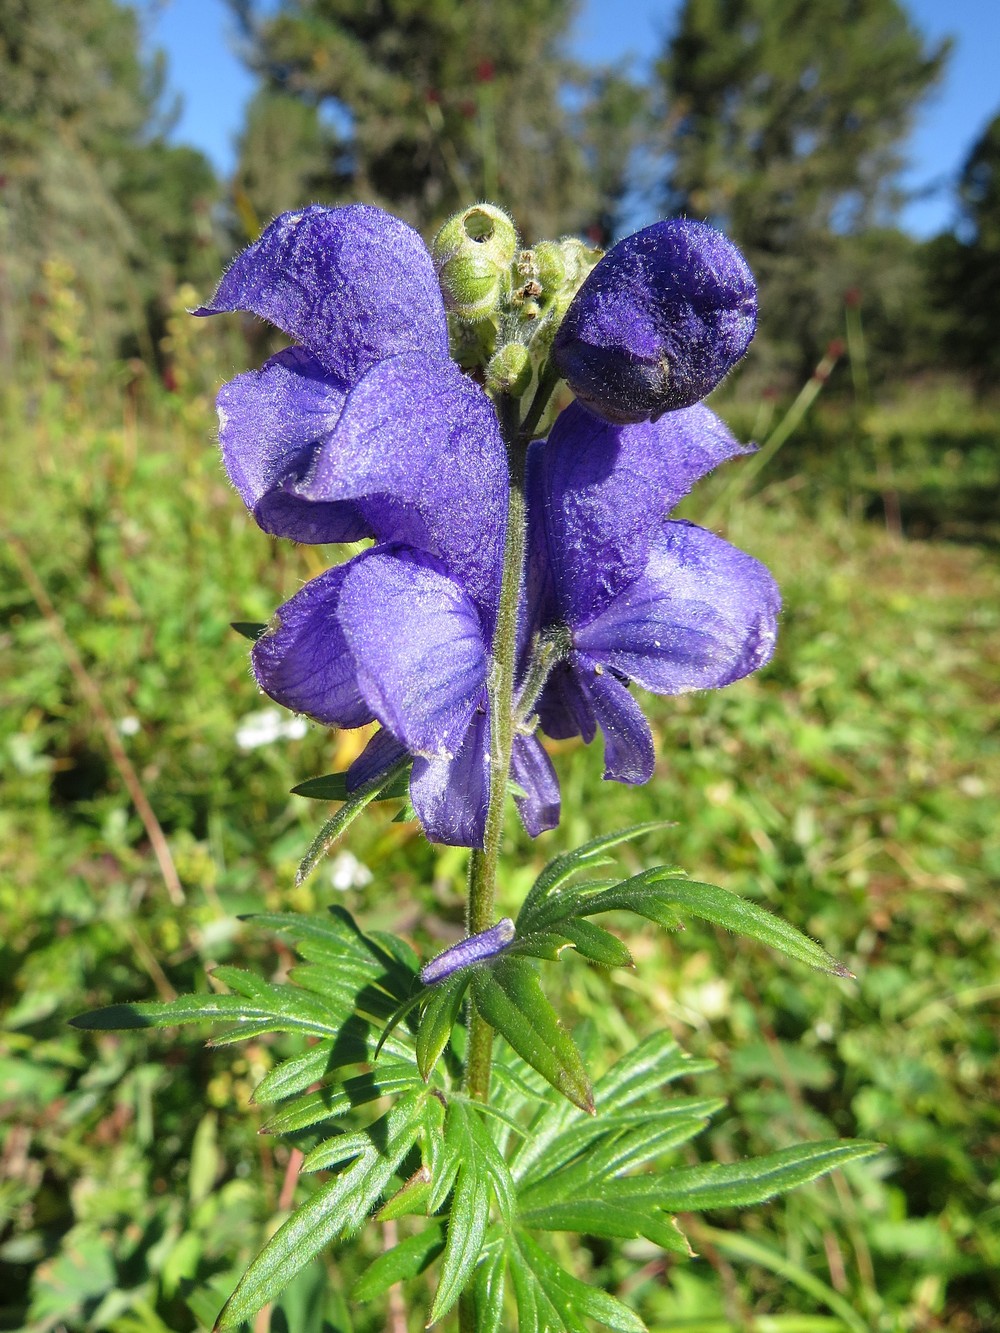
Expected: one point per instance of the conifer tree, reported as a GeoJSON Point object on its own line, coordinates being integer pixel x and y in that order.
{"type": "Point", "coordinates": [88, 175]}
{"type": "Point", "coordinates": [965, 266]}
{"type": "Point", "coordinates": [420, 107]}
{"type": "Point", "coordinates": [784, 120]}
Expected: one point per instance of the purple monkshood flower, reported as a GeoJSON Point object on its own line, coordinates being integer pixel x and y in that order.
{"type": "Point", "coordinates": [632, 594]}
{"type": "Point", "coordinates": [366, 429]}
{"type": "Point", "coordinates": [664, 316]}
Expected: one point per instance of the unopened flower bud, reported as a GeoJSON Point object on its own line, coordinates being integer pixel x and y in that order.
{"type": "Point", "coordinates": [472, 254]}
{"type": "Point", "coordinates": [550, 266]}
{"type": "Point", "coordinates": [475, 949]}
{"type": "Point", "coordinates": [662, 318]}
{"type": "Point", "coordinates": [509, 371]}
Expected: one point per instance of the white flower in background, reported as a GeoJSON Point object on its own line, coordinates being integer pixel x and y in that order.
{"type": "Point", "coordinates": [267, 726]}
{"type": "Point", "coordinates": [347, 872]}
{"type": "Point", "coordinates": [128, 726]}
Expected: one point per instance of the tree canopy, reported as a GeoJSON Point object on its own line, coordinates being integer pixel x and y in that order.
{"type": "Point", "coordinates": [88, 173]}
{"type": "Point", "coordinates": [964, 266]}
{"type": "Point", "coordinates": [421, 107]}
{"type": "Point", "coordinates": [782, 122]}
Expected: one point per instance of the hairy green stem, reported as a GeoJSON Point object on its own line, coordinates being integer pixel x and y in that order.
{"type": "Point", "coordinates": [483, 862]}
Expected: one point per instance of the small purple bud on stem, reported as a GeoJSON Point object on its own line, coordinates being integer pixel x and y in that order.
{"type": "Point", "coordinates": [475, 949]}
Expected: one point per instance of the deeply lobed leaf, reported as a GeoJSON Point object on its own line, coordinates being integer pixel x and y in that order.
{"type": "Point", "coordinates": [510, 998]}
{"type": "Point", "coordinates": [338, 1208]}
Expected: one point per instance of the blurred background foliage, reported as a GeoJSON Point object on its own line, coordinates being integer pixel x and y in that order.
{"type": "Point", "coordinates": [852, 786]}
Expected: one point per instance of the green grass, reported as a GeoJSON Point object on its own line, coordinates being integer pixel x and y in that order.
{"type": "Point", "coordinates": [852, 787]}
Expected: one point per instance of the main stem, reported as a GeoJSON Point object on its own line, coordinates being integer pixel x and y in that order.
{"type": "Point", "coordinates": [483, 862]}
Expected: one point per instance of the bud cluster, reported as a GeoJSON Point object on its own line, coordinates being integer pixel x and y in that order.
{"type": "Point", "coordinates": [505, 304]}
{"type": "Point", "coordinates": [472, 254]}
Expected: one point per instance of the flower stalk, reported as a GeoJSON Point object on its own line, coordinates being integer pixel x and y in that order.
{"type": "Point", "coordinates": [483, 861]}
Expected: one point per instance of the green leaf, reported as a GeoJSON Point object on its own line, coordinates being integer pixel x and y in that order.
{"type": "Point", "coordinates": [336, 1209]}
{"type": "Point", "coordinates": [438, 1020]}
{"type": "Point", "coordinates": [487, 1291]}
{"type": "Point", "coordinates": [353, 986]}
{"type": "Point", "coordinates": [510, 998]}
{"type": "Point", "coordinates": [328, 1103]}
{"type": "Point", "coordinates": [547, 944]}
{"type": "Point", "coordinates": [528, 1296]}
{"type": "Point", "coordinates": [661, 893]}
{"type": "Point", "coordinates": [571, 1296]}
{"type": "Point", "coordinates": [563, 867]}
{"type": "Point", "coordinates": [331, 936]}
{"type": "Point", "coordinates": [290, 1010]}
{"type": "Point", "coordinates": [598, 1217]}
{"type": "Point", "coordinates": [492, 1161]}
{"type": "Point", "coordinates": [597, 944]}
{"type": "Point", "coordinates": [557, 1152]}
{"type": "Point", "coordinates": [250, 629]}
{"type": "Point", "coordinates": [334, 1151]}
{"type": "Point", "coordinates": [736, 1184]}
{"type": "Point", "coordinates": [336, 942]}
{"type": "Point", "coordinates": [401, 1011]}
{"type": "Point", "coordinates": [296, 1074]}
{"type": "Point", "coordinates": [645, 1069]}
{"type": "Point", "coordinates": [333, 787]}
{"type": "Point", "coordinates": [346, 815]}
{"type": "Point", "coordinates": [411, 1199]}
{"type": "Point", "coordinates": [468, 1216]}
{"type": "Point", "coordinates": [405, 1260]}
{"type": "Point", "coordinates": [446, 1160]}
{"type": "Point", "coordinates": [613, 1157]}
{"type": "Point", "coordinates": [642, 1072]}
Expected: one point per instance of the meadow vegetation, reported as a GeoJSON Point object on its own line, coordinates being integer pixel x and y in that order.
{"type": "Point", "coordinates": [852, 786]}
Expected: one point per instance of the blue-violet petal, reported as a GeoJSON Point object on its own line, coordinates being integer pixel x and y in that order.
{"type": "Point", "coordinates": [353, 285]}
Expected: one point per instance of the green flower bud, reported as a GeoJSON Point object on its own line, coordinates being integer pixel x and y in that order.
{"type": "Point", "coordinates": [550, 266]}
{"type": "Point", "coordinates": [509, 371]}
{"type": "Point", "coordinates": [472, 254]}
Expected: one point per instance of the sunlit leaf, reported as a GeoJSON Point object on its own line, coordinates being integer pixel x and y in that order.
{"type": "Point", "coordinates": [510, 998]}
{"type": "Point", "coordinates": [599, 1217]}
{"type": "Point", "coordinates": [292, 1010]}
{"type": "Point", "coordinates": [736, 1184]}
{"type": "Point", "coordinates": [407, 1259]}
{"type": "Point", "coordinates": [468, 1216]}
{"type": "Point", "coordinates": [410, 1200]}
{"type": "Point", "coordinates": [330, 1102]}
{"type": "Point", "coordinates": [492, 1162]}
{"type": "Point", "coordinates": [488, 1288]}
{"type": "Point", "coordinates": [661, 894]}
{"type": "Point", "coordinates": [596, 943]}
{"type": "Point", "coordinates": [438, 1019]}
{"type": "Point", "coordinates": [295, 1075]}
{"type": "Point", "coordinates": [645, 1069]}
{"type": "Point", "coordinates": [346, 815]}
{"type": "Point", "coordinates": [554, 1153]}
{"type": "Point", "coordinates": [563, 867]}
{"type": "Point", "coordinates": [575, 1298]}
{"type": "Point", "coordinates": [338, 1208]}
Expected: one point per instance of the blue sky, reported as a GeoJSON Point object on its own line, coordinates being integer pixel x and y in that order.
{"type": "Point", "coordinates": [199, 40]}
